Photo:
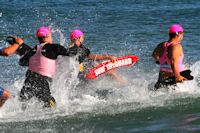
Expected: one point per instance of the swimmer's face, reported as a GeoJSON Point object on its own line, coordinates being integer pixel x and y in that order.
{"type": "Point", "coordinates": [49, 38]}
{"type": "Point", "coordinates": [81, 39]}
{"type": "Point", "coordinates": [180, 36]}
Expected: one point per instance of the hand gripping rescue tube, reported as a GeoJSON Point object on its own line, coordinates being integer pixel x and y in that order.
{"type": "Point", "coordinates": [109, 65]}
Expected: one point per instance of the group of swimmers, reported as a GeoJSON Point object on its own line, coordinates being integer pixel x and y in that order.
{"type": "Point", "coordinates": [41, 62]}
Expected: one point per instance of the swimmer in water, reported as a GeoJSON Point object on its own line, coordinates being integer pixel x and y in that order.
{"type": "Point", "coordinates": [41, 62]}
{"type": "Point", "coordinates": [76, 48]}
{"type": "Point", "coordinates": [169, 55]}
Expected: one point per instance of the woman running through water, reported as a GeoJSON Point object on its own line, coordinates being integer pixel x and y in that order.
{"type": "Point", "coordinates": [169, 55]}
{"type": "Point", "coordinates": [76, 48]}
{"type": "Point", "coordinates": [41, 68]}
{"type": "Point", "coordinates": [4, 93]}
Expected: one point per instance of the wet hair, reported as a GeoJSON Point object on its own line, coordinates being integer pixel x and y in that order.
{"type": "Point", "coordinates": [173, 35]}
{"type": "Point", "coordinates": [41, 39]}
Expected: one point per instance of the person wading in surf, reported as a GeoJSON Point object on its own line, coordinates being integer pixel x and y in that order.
{"type": "Point", "coordinates": [4, 93]}
{"type": "Point", "coordinates": [169, 55]}
{"type": "Point", "coordinates": [41, 62]}
{"type": "Point", "coordinates": [76, 48]}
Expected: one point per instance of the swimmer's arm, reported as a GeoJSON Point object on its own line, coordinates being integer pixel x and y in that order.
{"type": "Point", "coordinates": [12, 48]}
{"type": "Point", "coordinates": [9, 50]}
{"type": "Point", "coordinates": [101, 57]}
{"type": "Point", "coordinates": [157, 52]}
{"type": "Point", "coordinates": [97, 57]}
{"type": "Point", "coordinates": [175, 55]}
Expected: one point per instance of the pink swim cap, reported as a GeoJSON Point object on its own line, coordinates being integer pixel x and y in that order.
{"type": "Point", "coordinates": [176, 28]}
{"type": "Point", "coordinates": [43, 31]}
{"type": "Point", "coordinates": [75, 34]}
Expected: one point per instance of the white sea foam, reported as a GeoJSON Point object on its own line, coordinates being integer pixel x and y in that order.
{"type": "Point", "coordinates": [101, 95]}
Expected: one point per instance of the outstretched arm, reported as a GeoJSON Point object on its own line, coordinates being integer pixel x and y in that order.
{"type": "Point", "coordinates": [12, 48]}
{"type": "Point", "coordinates": [102, 57]}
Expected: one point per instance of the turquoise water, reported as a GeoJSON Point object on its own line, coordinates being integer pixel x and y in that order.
{"type": "Point", "coordinates": [111, 27]}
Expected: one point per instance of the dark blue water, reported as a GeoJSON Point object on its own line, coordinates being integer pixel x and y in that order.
{"type": "Point", "coordinates": [111, 27]}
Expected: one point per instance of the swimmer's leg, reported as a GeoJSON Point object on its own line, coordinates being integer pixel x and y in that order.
{"type": "Point", "coordinates": [117, 77]}
{"type": "Point", "coordinates": [43, 94]}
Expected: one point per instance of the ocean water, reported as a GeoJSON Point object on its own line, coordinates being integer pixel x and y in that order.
{"type": "Point", "coordinates": [114, 27]}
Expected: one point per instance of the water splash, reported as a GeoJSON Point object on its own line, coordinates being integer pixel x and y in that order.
{"type": "Point", "coordinates": [103, 95]}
